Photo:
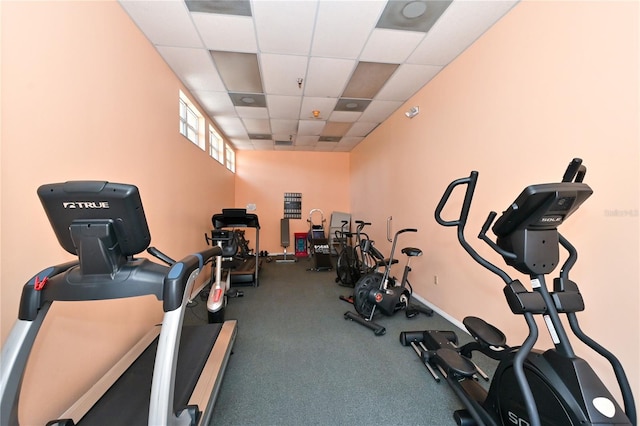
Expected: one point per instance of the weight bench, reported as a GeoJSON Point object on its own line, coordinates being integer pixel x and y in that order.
{"type": "Point", "coordinates": [284, 240]}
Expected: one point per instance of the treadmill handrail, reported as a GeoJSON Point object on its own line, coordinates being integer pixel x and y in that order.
{"type": "Point", "coordinates": [178, 284]}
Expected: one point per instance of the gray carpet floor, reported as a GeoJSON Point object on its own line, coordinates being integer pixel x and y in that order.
{"type": "Point", "coordinates": [297, 361]}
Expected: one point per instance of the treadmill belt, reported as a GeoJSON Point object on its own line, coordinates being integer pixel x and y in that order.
{"type": "Point", "coordinates": [127, 401]}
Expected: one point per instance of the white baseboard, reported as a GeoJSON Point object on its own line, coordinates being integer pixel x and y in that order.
{"type": "Point", "coordinates": [440, 312]}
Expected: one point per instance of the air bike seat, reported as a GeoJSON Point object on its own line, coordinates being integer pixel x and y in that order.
{"type": "Point", "coordinates": [172, 376]}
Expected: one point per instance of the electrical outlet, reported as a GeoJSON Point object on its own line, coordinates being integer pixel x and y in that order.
{"type": "Point", "coordinates": [435, 279]}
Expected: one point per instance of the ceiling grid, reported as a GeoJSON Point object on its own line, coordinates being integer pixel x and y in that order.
{"type": "Point", "coordinates": [308, 75]}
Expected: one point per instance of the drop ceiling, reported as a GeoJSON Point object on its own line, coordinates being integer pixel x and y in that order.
{"type": "Point", "coordinates": [308, 75]}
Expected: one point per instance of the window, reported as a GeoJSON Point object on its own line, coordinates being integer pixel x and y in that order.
{"type": "Point", "coordinates": [215, 145]}
{"type": "Point", "coordinates": [191, 121]}
{"type": "Point", "coordinates": [230, 158]}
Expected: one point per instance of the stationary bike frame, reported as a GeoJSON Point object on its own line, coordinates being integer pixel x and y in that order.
{"type": "Point", "coordinates": [376, 297]}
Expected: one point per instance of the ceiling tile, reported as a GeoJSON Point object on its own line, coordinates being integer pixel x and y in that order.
{"type": "Point", "coordinates": [325, 146]}
{"type": "Point", "coordinates": [378, 111]}
{"type": "Point", "coordinates": [461, 24]}
{"type": "Point", "coordinates": [283, 106]}
{"type": "Point", "coordinates": [254, 125]}
{"type": "Point", "coordinates": [226, 32]}
{"type": "Point", "coordinates": [324, 105]}
{"type": "Point", "coordinates": [335, 128]}
{"type": "Point", "coordinates": [239, 71]}
{"type": "Point", "coordinates": [288, 127]}
{"type": "Point", "coordinates": [194, 67]}
{"type": "Point", "coordinates": [360, 129]}
{"type": "Point", "coordinates": [345, 116]}
{"type": "Point", "coordinates": [241, 142]}
{"type": "Point", "coordinates": [327, 76]}
{"type": "Point", "coordinates": [231, 126]}
{"type": "Point", "coordinates": [367, 79]}
{"type": "Point", "coordinates": [306, 140]}
{"type": "Point", "coordinates": [252, 112]}
{"type": "Point", "coordinates": [304, 62]}
{"type": "Point", "coordinates": [262, 145]}
{"type": "Point", "coordinates": [289, 32]}
{"type": "Point", "coordinates": [343, 27]}
{"type": "Point", "coordinates": [310, 127]}
{"type": "Point", "coordinates": [280, 73]}
{"type": "Point", "coordinates": [406, 81]}
{"type": "Point", "coordinates": [390, 46]}
{"type": "Point", "coordinates": [350, 141]}
{"type": "Point", "coordinates": [243, 145]}
{"type": "Point", "coordinates": [216, 103]}
{"type": "Point", "coordinates": [165, 23]}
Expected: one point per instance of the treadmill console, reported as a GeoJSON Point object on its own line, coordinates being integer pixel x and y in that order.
{"type": "Point", "coordinates": [96, 204]}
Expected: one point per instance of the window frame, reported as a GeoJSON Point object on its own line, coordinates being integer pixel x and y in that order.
{"type": "Point", "coordinates": [229, 157]}
{"type": "Point", "coordinates": [191, 121]}
{"type": "Point", "coordinates": [216, 145]}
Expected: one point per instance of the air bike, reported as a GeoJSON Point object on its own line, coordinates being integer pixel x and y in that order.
{"type": "Point", "coordinates": [173, 374]}
{"type": "Point", "coordinates": [380, 292]}
{"type": "Point", "coordinates": [529, 387]}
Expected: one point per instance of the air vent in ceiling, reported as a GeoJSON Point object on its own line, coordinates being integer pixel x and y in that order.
{"type": "Point", "coordinates": [329, 138]}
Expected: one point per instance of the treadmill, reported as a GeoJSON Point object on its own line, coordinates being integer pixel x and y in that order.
{"type": "Point", "coordinates": [243, 271]}
{"type": "Point", "coordinates": [173, 374]}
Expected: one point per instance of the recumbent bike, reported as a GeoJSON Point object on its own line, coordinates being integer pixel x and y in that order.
{"type": "Point", "coordinates": [529, 387]}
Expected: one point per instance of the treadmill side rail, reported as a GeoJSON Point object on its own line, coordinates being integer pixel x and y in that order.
{"type": "Point", "coordinates": [206, 391]}
{"type": "Point", "coordinates": [15, 354]}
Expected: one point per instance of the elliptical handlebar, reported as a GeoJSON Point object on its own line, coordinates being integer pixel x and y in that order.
{"type": "Point", "coordinates": [464, 212]}
{"type": "Point", "coordinates": [461, 222]}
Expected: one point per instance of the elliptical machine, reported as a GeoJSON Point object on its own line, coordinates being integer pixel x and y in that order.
{"type": "Point", "coordinates": [529, 387]}
{"type": "Point", "coordinates": [380, 291]}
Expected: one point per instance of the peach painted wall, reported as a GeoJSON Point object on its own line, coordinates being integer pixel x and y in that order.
{"type": "Point", "coordinates": [549, 82]}
{"type": "Point", "coordinates": [86, 96]}
{"type": "Point", "coordinates": [263, 177]}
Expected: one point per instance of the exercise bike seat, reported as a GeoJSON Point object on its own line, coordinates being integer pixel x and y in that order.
{"type": "Point", "coordinates": [412, 251]}
{"type": "Point", "coordinates": [453, 362]}
{"type": "Point", "coordinates": [484, 333]}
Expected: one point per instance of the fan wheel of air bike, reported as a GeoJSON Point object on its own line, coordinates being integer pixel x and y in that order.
{"type": "Point", "coordinates": [363, 288]}
{"type": "Point", "coordinates": [348, 267]}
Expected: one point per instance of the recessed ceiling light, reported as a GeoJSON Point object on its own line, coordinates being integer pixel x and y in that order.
{"type": "Point", "coordinates": [351, 105]}
{"type": "Point", "coordinates": [247, 100]}
{"type": "Point", "coordinates": [414, 9]}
